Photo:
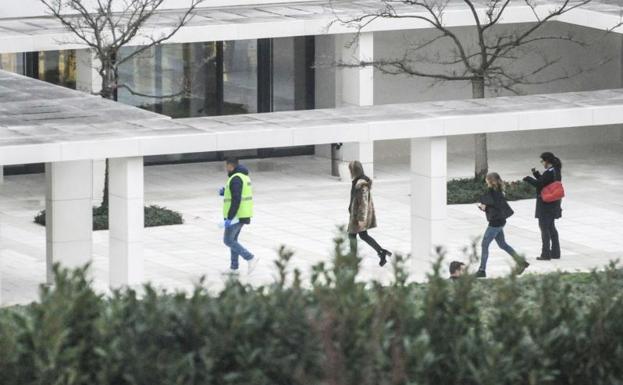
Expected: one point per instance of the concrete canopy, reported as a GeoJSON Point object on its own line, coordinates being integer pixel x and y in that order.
{"type": "Point", "coordinates": [289, 19]}
{"type": "Point", "coordinates": [41, 122]}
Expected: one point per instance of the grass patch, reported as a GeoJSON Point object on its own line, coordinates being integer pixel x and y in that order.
{"type": "Point", "coordinates": [469, 190]}
{"type": "Point", "coordinates": [154, 216]}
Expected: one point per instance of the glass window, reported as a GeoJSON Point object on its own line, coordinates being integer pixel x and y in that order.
{"type": "Point", "coordinates": [239, 77]}
{"type": "Point", "coordinates": [12, 62]}
{"type": "Point", "coordinates": [137, 80]}
{"type": "Point", "coordinates": [178, 80]}
{"type": "Point", "coordinates": [58, 67]}
{"type": "Point", "coordinates": [283, 74]}
{"type": "Point", "coordinates": [290, 74]}
{"type": "Point", "coordinates": [219, 78]}
{"type": "Point", "coordinates": [201, 79]}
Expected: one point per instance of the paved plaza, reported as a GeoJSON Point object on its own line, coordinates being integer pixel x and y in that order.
{"type": "Point", "coordinates": [300, 206]}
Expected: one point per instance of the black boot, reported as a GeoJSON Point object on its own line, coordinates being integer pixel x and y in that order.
{"type": "Point", "coordinates": [383, 257]}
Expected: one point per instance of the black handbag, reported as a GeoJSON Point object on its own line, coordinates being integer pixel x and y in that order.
{"type": "Point", "coordinates": [507, 211]}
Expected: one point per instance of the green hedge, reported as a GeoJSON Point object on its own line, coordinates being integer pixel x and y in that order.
{"type": "Point", "coordinates": [154, 216]}
{"type": "Point", "coordinates": [333, 329]}
{"type": "Point", "coordinates": [469, 190]}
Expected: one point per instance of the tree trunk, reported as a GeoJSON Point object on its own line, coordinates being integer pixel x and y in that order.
{"type": "Point", "coordinates": [480, 140]}
{"type": "Point", "coordinates": [109, 91]}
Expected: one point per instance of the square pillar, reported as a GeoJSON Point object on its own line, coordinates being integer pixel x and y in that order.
{"type": "Point", "coordinates": [69, 214]}
{"type": "Point", "coordinates": [126, 221]}
{"type": "Point", "coordinates": [428, 197]}
{"type": "Point", "coordinates": [355, 87]}
{"type": "Point", "coordinates": [88, 78]}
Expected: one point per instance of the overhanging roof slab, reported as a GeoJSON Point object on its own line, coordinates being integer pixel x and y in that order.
{"type": "Point", "coordinates": [77, 126]}
{"type": "Point", "coordinates": [289, 19]}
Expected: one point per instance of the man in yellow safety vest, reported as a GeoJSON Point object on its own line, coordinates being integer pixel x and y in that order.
{"type": "Point", "coordinates": [237, 212]}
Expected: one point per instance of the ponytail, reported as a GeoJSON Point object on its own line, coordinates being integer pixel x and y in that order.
{"type": "Point", "coordinates": [551, 159]}
{"type": "Point", "coordinates": [557, 163]}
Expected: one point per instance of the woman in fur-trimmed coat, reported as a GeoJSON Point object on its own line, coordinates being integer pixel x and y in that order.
{"type": "Point", "coordinates": [362, 215]}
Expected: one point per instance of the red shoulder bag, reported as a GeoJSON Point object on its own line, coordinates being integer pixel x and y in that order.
{"type": "Point", "coordinates": [553, 192]}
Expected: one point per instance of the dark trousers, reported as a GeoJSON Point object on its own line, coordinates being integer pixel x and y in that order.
{"type": "Point", "coordinates": [549, 238]}
{"type": "Point", "coordinates": [366, 238]}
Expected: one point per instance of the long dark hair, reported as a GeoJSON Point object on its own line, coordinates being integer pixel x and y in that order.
{"type": "Point", "coordinates": [551, 159]}
{"type": "Point", "coordinates": [357, 173]}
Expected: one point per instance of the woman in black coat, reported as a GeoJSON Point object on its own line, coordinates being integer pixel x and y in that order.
{"type": "Point", "coordinates": [497, 209]}
{"type": "Point", "coordinates": [547, 213]}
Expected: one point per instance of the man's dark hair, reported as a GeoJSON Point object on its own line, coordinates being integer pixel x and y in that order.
{"type": "Point", "coordinates": [455, 266]}
{"type": "Point", "coordinates": [231, 160]}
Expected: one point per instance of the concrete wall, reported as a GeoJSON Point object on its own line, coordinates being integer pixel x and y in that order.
{"type": "Point", "coordinates": [599, 64]}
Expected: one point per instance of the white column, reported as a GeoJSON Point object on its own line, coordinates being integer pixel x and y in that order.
{"type": "Point", "coordinates": [355, 87]}
{"type": "Point", "coordinates": [428, 197]}
{"type": "Point", "coordinates": [69, 215]}
{"type": "Point", "coordinates": [126, 221]}
{"type": "Point", "coordinates": [88, 78]}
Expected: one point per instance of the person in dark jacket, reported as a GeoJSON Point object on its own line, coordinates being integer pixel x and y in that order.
{"type": "Point", "coordinates": [547, 213]}
{"type": "Point", "coordinates": [237, 212]}
{"type": "Point", "coordinates": [497, 209]}
{"type": "Point", "coordinates": [361, 210]}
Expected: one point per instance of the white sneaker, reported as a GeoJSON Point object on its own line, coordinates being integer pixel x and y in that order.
{"type": "Point", "coordinates": [252, 264]}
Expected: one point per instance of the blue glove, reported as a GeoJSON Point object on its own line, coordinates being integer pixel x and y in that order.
{"type": "Point", "coordinates": [221, 191]}
{"type": "Point", "coordinates": [227, 224]}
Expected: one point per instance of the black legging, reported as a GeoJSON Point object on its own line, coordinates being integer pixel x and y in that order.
{"type": "Point", "coordinates": [367, 239]}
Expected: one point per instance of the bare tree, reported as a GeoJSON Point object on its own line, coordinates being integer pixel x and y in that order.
{"type": "Point", "coordinates": [483, 57]}
{"type": "Point", "coordinates": [106, 27]}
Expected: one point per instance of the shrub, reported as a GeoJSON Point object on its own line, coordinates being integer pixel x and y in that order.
{"type": "Point", "coordinates": [549, 330]}
{"type": "Point", "coordinates": [469, 190]}
{"type": "Point", "coordinates": [154, 216]}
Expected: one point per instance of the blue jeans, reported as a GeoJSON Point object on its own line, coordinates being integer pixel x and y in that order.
{"type": "Point", "coordinates": [231, 240]}
{"type": "Point", "coordinates": [496, 233]}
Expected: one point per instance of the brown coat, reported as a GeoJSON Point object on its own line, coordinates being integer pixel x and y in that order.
{"type": "Point", "coordinates": [361, 208]}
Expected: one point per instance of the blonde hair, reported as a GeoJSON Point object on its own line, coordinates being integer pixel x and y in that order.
{"type": "Point", "coordinates": [495, 181]}
{"type": "Point", "coordinates": [356, 169]}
